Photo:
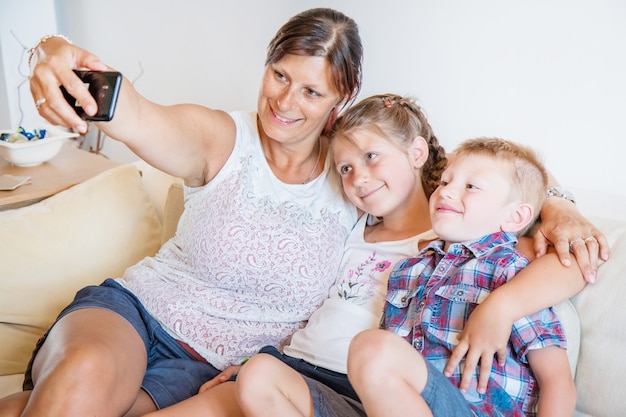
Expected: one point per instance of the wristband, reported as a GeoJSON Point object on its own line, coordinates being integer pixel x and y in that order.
{"type": "Point", "coordinates": [32, 50]}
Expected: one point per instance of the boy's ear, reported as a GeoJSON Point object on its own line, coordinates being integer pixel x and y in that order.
{"type": "Point", "coordinates": [520, 216]}
{"type": "Point", "coordinates": [418, 152]}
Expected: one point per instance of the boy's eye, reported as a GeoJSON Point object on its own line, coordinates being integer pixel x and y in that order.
{"type": "Point", "coordinates": [371, 155]}
{"type": "Point", "coordinates": [471, 186]}
{"type": "Point", "coordinates": [279, 75]}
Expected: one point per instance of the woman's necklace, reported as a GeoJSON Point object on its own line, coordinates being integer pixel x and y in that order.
{"type": "Point", "coordinates": [319, 156]}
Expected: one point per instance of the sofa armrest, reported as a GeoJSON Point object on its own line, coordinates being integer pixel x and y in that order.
{"type": "Point", "coordinates": [157, 184]}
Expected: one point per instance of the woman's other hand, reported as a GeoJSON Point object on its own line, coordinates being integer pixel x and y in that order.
{"type": "Point", "coordinates": [563, 227]}
{"type": "Point", "coordinates": [52, 62]}
{"type": "Point", "coordinates": [223, 376]}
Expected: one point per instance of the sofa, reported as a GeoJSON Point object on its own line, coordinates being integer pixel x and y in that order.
{"type": "Point", "coordinates": [95, 229]}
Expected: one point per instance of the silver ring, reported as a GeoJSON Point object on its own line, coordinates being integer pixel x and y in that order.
{"type": "Point", "coordinates": [578, 239]}
{"type": "Point", "coordinates": [40, 102]}
{"type": "Point", "coordinates": [589, 239]}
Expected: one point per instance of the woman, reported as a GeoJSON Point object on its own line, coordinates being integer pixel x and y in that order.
{"type": "Point", "coordinates": [256, 248]}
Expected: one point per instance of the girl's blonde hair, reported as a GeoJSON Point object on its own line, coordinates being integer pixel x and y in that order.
{"type": "Point", "coordinates": [399, 119]}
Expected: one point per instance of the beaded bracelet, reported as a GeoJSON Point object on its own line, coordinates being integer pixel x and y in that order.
{"type": "Point", "coordinates": [32, 50]}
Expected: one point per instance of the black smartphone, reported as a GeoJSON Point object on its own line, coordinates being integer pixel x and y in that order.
{"type": "Point", "coordinates": [104, 86]}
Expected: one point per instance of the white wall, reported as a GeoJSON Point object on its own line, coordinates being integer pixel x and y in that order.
{"type": "Point", "coordinates": [549, 74]}
{"type": "Point", "coordinates": [22, 22]}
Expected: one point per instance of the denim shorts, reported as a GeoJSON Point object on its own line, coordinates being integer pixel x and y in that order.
{"type": "Point", "coordinates": [335, 380]}
{"type": "Point", "coordinates": [329, 403]}
{"type": "Point", "coordinates": [443, 398]}
{"type": "Point", "coordinates": [331, 392]}
{"type": "Point", "coordinates": [172, 374]}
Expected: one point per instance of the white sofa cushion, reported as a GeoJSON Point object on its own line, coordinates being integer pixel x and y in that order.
{"type": "Point", "coordinates": [602, 362]}
{"type": "Point", "coordinates": [51, 249]}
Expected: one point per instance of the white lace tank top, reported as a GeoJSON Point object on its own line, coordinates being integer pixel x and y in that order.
{"type": "Point", "coordinates": [356, 300]}
{"type": "Point", "coordinates": [251, 259]}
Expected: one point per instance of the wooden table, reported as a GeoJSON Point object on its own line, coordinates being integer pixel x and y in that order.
{"type": "Point", "coordinates": [70, 167]}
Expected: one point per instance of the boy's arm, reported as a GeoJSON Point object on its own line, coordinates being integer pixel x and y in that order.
{"type": "Point", "coordinates": [541, 284]}
{"type": "Point", "coordinates": [557, 392]}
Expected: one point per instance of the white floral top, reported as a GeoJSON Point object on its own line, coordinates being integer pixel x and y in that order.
{"type": "Point", "coordinates": [356, 300]}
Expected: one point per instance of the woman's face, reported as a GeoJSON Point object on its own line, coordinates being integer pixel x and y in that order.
{"type": "Point", "coordinates": [297, 95]}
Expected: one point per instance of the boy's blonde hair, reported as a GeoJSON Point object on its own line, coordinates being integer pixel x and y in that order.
{"type": "Point", "coordinates": [400, 120]}
{"type": "Point", "coordinates": [529, 181]}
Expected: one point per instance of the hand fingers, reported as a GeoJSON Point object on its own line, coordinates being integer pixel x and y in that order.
{"type": "Point", "coordinates": [579, 248]}
{"type": "Point", "coordinates": [55, 70]}
{"type": "Point", "coordinates": [604, 245]}
{"type": "Point", "coordinates": [540, 244]}
{"type": "Point", "coordinates": [501, 356]}
{"type": "Point", "coordinates": [586, 256]}
{"type": "Point", "coordinates": [45, 84]}
{"type": "Point", "coordinates": [457, 355]}
{"type": "Point", "coordinates": [486, 362]}
{"type": "Point", "coordinates": [471, 362]}
{"type": "Point", "coordinates": [220, 378]}
{"type": "Point", "coordinates": [562, 248]}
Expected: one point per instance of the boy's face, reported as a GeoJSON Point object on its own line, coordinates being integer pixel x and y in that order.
{"type": "Point", "coordinates": [376, 175]}
{"type": "Point", "coordinates": [473, 199]}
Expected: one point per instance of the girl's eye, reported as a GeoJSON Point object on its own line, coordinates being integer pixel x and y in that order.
{"type": "Point", "coordinates": [471, 187]}
{"type": "Point", "coordinates": [344, 169]}
{"type": "Point", "coordinates": [443, 183]}
{"type": "Point", "coordinates": [371, 155]}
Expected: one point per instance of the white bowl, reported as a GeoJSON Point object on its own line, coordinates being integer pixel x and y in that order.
{"type": "Point", "coordinates": [35, 151]}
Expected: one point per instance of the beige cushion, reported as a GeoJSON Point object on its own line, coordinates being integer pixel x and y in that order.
{"type": "Point", "coordinates": [602, 362]}
{"type": "Point", "coordinates": [568, 316]}
{"type": "Point", "coordinates": [51, 249]}
{"type": "Point", "coordinates": [174, 206]}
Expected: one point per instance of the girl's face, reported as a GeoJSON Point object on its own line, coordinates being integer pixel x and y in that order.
{"type": "Point", "coordinates": [473, 199]}
{"type": "Point", "coordinates": [297, 96]}
{"type": "Point", "coordinates": [377, 176]}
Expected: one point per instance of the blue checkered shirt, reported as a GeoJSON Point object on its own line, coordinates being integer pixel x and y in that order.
{"type": "Point", "coordinates": [430, 297]}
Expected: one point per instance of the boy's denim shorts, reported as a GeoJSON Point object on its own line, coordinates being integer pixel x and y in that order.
{"type": "Point", "coordinates": [172, 374]}
{"type": "Point", "coordinates": [443, 398]}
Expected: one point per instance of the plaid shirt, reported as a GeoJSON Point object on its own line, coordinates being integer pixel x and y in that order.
{"type": "Point", "coordinates": [431, 296]}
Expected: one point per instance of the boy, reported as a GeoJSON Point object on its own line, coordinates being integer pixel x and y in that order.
{"type": "Point", "coordinates": [490, 193]}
